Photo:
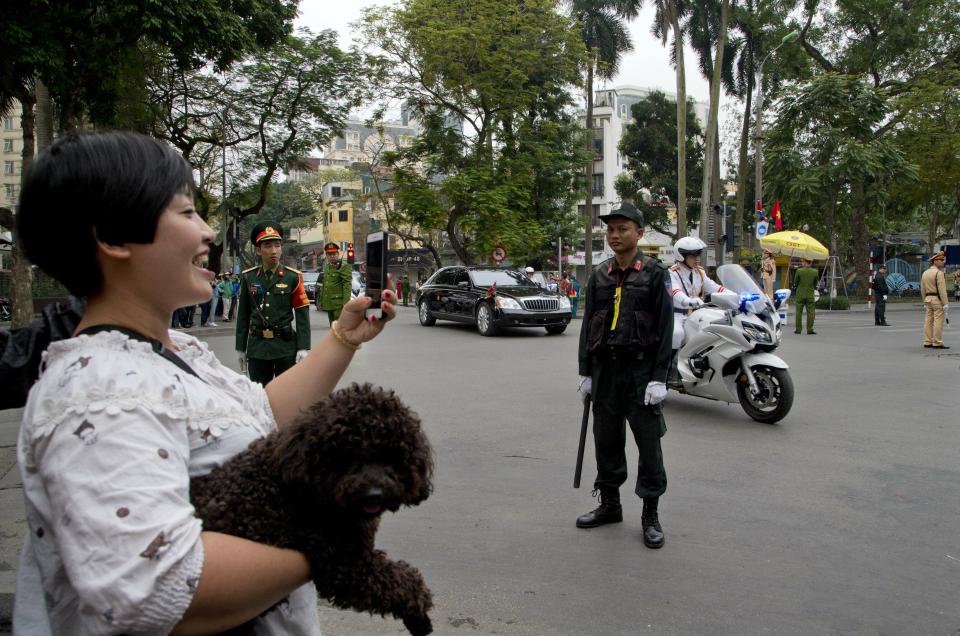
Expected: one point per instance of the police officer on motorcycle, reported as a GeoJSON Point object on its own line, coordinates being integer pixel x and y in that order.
{"type": "Point", "coordinates": [689, 283]}
{"type": "Point", "coordinates": [624, 357]}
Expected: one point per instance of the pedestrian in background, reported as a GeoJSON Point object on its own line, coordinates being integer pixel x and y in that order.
{"type": "Point", "coordinates": [933, 288]}
{"type": "Point", "coordinates": [880, 291]}
{"type": "Point", "coordinates": [226, 294]}
{"type": "Point", "coordinates": [407, 292]}
{"type": "Point", "coordinates": [235, 300]}
{"type": "Point", "coordinates": [956, 284]}
{"type": "Point", "coordinates": [337, 282]}
{"type": "Point", "coordinates": [805, 282]}
{"type": "Point", "coordinates": [400, 290]}
{"type": "Point", "coordinates": [207, 306]}
{"type": "Point", "coordinates": [574, 294]}
{"type": "Point", "coordinates": [217, 311]}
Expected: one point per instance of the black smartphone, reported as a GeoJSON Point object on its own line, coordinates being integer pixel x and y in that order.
{"type": "Point", "coordinates": [376, 271]}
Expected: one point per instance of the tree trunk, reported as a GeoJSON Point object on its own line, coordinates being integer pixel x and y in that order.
{"type": "Point", "coordinates": [44, 117]}
{"type": "Point", "coordinates": [588, 207]}
{"type": "Point", "coordinates": [738, 212]}
{"type": "Point", "coordinates": [716, 195]}
{"type": "Point", "coordinates": [22, 292]}
{"type": "Point", "coordinates": [458, 247]}
{"type": "Point", "coordinates": [712, 119]}
{"type": "Point", "coordinates": [858, 231]}
{"type": "Point", "coordinates": [681, 125]}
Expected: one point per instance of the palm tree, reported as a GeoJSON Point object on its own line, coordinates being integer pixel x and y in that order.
{"type": "Point", "coordinates": [605, 35]}
{"type": "Point", "coordinates": [706, 28]}
{"type": "Point", "coordinates": [667, 20]}
{"type": "Point", "coordinates": [746, 45]}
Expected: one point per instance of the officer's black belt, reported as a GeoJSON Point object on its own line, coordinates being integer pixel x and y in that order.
{"type": "Point", "coordinates": [269, 333]}
{"type": "Point", "coordinates": [932, 294]}
{"type": "Point", "coordinates": [619, 353]}
{"type": "Point", "coordinates": [681, 311]}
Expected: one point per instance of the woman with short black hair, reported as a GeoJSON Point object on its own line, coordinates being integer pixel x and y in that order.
{"type": "Point", "coordinates": [127, 411]}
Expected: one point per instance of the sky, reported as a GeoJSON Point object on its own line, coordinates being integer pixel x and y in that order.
{"type": "Point", "coordinates": [648, 66]}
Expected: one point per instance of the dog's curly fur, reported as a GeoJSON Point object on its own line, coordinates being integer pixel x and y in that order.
{"type": "Point", "coordinates": [319, 486]}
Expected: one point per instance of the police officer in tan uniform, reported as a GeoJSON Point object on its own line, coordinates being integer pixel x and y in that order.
{"type": "Point", "coordinates": [933, 288]}
{"type": "Point", "coordinates": [768, 273]}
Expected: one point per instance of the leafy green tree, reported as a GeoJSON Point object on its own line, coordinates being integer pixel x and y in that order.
{"type": "Point", "coordinates": [488, 82]}
{"type": "Point", "coordinates": [649, 147]}
{"type": "Point", "coordinates": [606, 39]}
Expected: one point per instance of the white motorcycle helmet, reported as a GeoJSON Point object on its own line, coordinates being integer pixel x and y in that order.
{"type": "Point", "coordinates": [688, 245]}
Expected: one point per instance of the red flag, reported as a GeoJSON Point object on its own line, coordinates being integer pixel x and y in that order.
{"type": "Point", "coordinates": [776, 214]}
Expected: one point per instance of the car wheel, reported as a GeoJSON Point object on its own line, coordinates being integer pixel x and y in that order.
{"type": "Point", "coordinates": [485, 321]}
{"type": "Point", "coordinates": [556, 329]}
{"type": "Point", "coordinates": [426, 319]}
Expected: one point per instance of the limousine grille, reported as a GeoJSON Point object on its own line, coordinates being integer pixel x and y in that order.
{"type": "Point", "coordinates": [541, 304]}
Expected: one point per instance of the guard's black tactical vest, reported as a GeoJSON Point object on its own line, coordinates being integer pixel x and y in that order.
{"type": "Point", "coordinates": [632, 324]}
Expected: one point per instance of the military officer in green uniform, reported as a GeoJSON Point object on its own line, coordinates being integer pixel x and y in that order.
{"type": "Point", "coordinates": [805, 282]}
{"type": "Point", "coordinates": [271, 296]}
{"type": "Point", "coordinates": [624, 356]}
{"type": "Point", "coordinates": [337, 282]}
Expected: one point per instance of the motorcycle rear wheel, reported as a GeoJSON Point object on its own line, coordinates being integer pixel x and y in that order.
{"type": "Point", "coordinates": [774, 399]}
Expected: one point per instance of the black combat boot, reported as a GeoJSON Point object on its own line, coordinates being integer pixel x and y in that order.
{"type": "Point", "coordinates": [652, 532]}
{"type": "Point", "coordinates": [609, 511]}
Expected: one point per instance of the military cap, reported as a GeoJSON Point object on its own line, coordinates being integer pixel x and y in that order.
{"type": "Point", "coordinates": [331, 247]}
{"type": "Point", "coordinates": [939, 256]}
{"type": "Point", "coordinates": [266, 231]}
{"type": "Point", "coordinates": [627, 211]}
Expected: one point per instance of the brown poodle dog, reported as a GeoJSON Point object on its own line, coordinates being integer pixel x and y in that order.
{"type": "Point", "coordinates": [319, 486]}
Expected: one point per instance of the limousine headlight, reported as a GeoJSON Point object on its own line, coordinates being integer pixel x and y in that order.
{"type": "Point", "coordinates": [507, 303]}
{"type": "Point", "coordinates": [564, 303]}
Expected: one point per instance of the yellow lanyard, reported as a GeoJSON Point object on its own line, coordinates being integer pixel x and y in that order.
{"type": "Point", "coordinates": [616, 310]}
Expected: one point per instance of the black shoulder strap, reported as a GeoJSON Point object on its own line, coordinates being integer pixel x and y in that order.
{"type": "Point", "coordinates": [156, 344]}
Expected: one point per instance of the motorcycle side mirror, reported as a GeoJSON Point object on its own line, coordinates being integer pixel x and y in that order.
{"type": "Point", "coordinates": [726, 300]}
{"type": "Point", "coordinates": [780, 297]}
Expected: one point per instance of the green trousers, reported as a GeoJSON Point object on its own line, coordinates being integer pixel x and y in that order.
{"type": "Point", "coordinates": [333, 314]}
{"type": "Point", "coordinates": [809, 303]}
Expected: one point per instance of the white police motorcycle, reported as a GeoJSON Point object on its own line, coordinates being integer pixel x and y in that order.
{"type": "Point", "coordinates": [728, 349]}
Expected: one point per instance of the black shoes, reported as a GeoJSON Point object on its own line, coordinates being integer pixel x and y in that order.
{"type": "Point", "coordinates": [940, 347]}
{"type": "Point", "coordinates": [609, 511]}
{"type": "Point", "coordinates": [652, 532]}
{"type": "Point", "coordinates": [811, 333]}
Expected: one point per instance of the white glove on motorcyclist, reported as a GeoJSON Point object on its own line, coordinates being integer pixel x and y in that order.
{"type": "Point", "coordinates": [946, 306]}
{"type": "Point", "coordinates": [586, 386]}
{"type": "Point", "coordinates": [884, 296]}
{"type": "Point", "coordinates": [655, 394]}
{"type": "Point", "coordinates": [301, 355]}
{"type": "Point", "coordinates": [694, 303]}
{"type": "Point", "coordinates": [242, 357]}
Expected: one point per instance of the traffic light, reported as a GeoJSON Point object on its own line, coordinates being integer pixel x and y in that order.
{"type": "Point", "coordinates": [350, 253]}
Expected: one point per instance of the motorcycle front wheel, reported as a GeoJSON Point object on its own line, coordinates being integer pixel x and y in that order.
{"type": "Point", "coordinates": [774, 396]}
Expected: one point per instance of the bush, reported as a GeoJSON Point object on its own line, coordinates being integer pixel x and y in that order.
{"type": "Point", "coordinates": [840, 302]}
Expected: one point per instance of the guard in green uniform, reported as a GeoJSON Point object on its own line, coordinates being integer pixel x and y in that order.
{"type": "Point", "coordinates": [805, 281]}
{"type": "Point", "coordinates": [624, 357]}
{"type": "Point", "coordinates": [337, 282]}
{"type": "Point", "coordinates": [270, 296]}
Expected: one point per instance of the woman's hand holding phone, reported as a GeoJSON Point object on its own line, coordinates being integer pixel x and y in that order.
{"type": "Point", "coordinates": [357, 328]}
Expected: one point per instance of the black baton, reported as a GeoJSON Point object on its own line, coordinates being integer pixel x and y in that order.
{"type": "Point", "coordinates": [583, 441]}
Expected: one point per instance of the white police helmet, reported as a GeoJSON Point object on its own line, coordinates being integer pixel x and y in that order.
{"type": "Point", "coordinates": [688, 245]}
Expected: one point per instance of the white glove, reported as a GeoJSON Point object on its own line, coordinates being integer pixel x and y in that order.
{"type": "Point", "coordinates": [242, 357]}
{"type": "Point", "coordinates": [695, 303]}
{"type": "Point", "coordinates": [301, 355]}
{"type": "Point", "coordinates": [884, 296]}
{"type": "Point", "coordinates": [946, 306]}
{"type": "Point", "coordinates": [656, 393]}
{"type": "Point", "coordinates": [586, 386]}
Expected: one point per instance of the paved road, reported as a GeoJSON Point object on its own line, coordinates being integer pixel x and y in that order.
{"type": "Point", "coordinates": [841, 519]}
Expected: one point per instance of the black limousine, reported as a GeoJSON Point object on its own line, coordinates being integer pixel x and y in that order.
{"type": "Point", "coordinates": [491, 299]}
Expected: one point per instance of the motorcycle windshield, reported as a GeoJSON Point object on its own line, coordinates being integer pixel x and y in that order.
{"type": "Point", "coordinates": [736, 279]}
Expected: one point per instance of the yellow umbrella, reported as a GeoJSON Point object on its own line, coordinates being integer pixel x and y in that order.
{"type": "Point", "coordinates": [796, 244]}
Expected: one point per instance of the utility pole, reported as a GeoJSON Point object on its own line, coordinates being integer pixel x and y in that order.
{"type": "Point", "coordinates": [758, 124]}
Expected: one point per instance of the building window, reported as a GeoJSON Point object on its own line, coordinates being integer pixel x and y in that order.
{"type": "Point", "coordinates": [598, 144]}
{"type": "Point", "coordinates": [10, 191]}
{"type": "Point", "coordinates": [623, 111]}
{"type": "Point", "coordinates": [598, 185]}
{"type": "Point", "coordinates": [8, 145]}
{"type": "Point", "coordinates": [344, 216]}
{"type": "Point", "coordinates": [353, 141]}
{"type": "Point", "coordinates": [335, 191]}
{"type": "Point", "coordinates": [8, 168]}
{"type": "Point", "coordinates": [595, 215]}
{"type": "Point", "coordinates": [8, 123]}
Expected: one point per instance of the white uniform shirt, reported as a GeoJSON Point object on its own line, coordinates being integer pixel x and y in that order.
{"type": "Point", "coordinates": [111, 435]}
{"type": "Point", "coordinates": [687, 284]}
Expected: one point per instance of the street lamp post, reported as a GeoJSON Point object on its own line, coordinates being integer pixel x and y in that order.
{"type": "Point", "coordinates": [758, 125]}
